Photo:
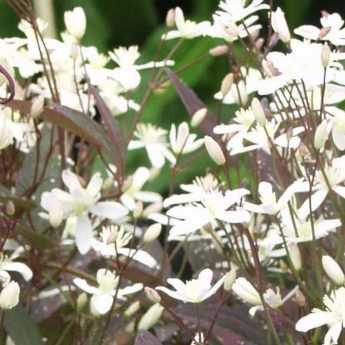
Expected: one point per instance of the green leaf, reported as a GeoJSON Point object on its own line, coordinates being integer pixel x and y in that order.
{"type": "Point", "coordinates": [20, 327]}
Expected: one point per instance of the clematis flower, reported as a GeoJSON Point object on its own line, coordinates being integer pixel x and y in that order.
{"type": "Point", "coordinates": [213, 207]}
{"type": "Point", "coordinates": [153, 139]}
{"type": "Point", "coordinates": [236, 10]}
{"type": "Point", "coordinates": [248, 294]}
{"type": "Point", "coordinates": [332, 30]}
{"type": "Point", "coordinates": [186, 28]}
{"type": "Point", "coordinates": [335, 174]}
{"type": "Point", "coordinates": [103, 295]}
{"type": "Point", "coordinates": [332, 315]}
{"type": "Point", "coordinates": [132, 190]}
{"type": "Point", "coordinates": [79, 202]}
{"type": "Point", "coordinates": [182, 141]}
{"type": "Point", "coordinates": [195, 290]}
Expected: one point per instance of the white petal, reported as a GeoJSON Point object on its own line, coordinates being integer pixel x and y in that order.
{"type": "Point", "coordinates": [313, 320]}
{"type": "Point", "coordinates": [101, 303]}
{"type": "Point", "coordinates": [109, 209]}
{"type": "Point", "coordinates": [83, 234]}
{"type": "Point", "coordinates": [83, 285]}
{"type": "Point", "coordinates": [19, 267]}
{"type": "Point", "coordinates": [71, 180]}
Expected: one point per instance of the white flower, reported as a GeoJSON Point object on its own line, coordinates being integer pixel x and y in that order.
{"type": "Point", "coordinates": [299, 228]}
{"type": "Point", "coordinates": [195, 290]}
{"type": "Point", "coordinates": [268, 198]}
{"type": "Point", "coordinates": [248, 294]}
{"type": "Point", "coordinates": [75, 22]}
{"type": "Point", "coordinates": [333, 316]}
{"type": "Point", "coordinates": [303, 63]}
{"type": "Point", "coordinates": [103, 295]}
{"type": "Point", "coordinates": [153, 139]}
{"type": "Point", "coordinates": [236, 10]}
{"type": "Point", "coordinates": [332, 30]}
{"type": "Point", "coordinates": [181, 141]}
{"type": "Point", "coordinates": [8, 264]}
{"type": "Point", "coordinates": [132, 190]}
{"type": "Point", "coordinates": [186, 28]}
{"type": "Point", "coordinates": [280, 26]}
{"type": "Point", "coordinates": [214, 206]}
{"type": "Point", "coordinates": [79, 202]}
{"type": "Point", "coordinates": [335, 174]}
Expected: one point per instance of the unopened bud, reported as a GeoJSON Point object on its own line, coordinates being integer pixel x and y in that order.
{"type": "Point", "coordinates": [295, 256]}
{"type": "Point", "coordinates": [151, 317]}
{"type": "Point", "coordinates": [227, 84]}
{"type": "Point", "coordinates": [75, 22]}
{"type": "Point", "coordinates": [132, 309]}
{"type": "Point", "coordinates": [230, 279]}
{"type": "Point", "coordinates": [152, 232]}
{"type": "Point", "coordinates": [280, 25]}
{"type": "Point", "coordinates": [82, 301]}
{"type": "Point", "coordinates": [10, 208]}
{"type": "Point", "coordinates": [333, 270]}
{"type": "Point", "coordinates": [219, 50]}
{"type": "Point", "coordinates": [259, 112]}
{"type": "Point", "coordinates": [37, 107]}
{"type": "Point", "coordinates": [198, 117]}
{"type": "Point", "coordinates": [326, 55]}
{"type": "Point", "coordinates": [321, 135]}
{"type": "Point", "coordinates": [170, 18]}
{"type": "Point", "coordinates": [152, 295]}
{"type": "Point", "coordinates": [9, 295]}
{"type": "Point", "coordinates": [214, 151]}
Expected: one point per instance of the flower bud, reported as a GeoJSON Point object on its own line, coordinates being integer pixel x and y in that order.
{"type": "Point", "coordinates": [132, 309]}
{"type": "Point", "coordinates": [214, 151]}
{"type": "Point", "coordinates": [170, 18]}
{"type": "Point", "coordinates": [230, 279]}
{"type": "Point", "coordinates": [259, 112]}
{"type": "Point", "coordinates": [9, 295]}
{"type": "Point", "coordinates": [75, 22]}
{"type": "Point", "coordinates": [219, 50]}
{"type": "Point", "coordinates": [198, 117]}
{"type": "Point", "coordinates": [321, 135]}
{"type": "Point", "coordinates": [333, 270]}
{"type": "Point", "coordinates": [152, 295]}
{"type": "Point", "coordinates": [246, 291]}
{"type": "Point", "coordinates": [151, 317]}
{"type": "Point", "coordinates": [37, 107]}
{"type": "Point", "coordinates": [326, 55]}
{"type": "Point", "coordinates": [280, 26]}
{"type": "Point", "coordinates": [152, 232]}
{"type": "Point", "coordinates": [299, 298]}
{"type": "Point", "coordinates": [10, 208]}
{"type": "Point", "coordinates": [227, 84]}
{"type": "Point", "coordinates": [295, 256]}
{"type": "Point", "coordinates": [82, 301]}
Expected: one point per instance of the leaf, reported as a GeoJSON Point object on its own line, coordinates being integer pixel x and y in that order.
{"type": "Point", "coordinates": [146, 338]}
{"type": "Point", "coordinates": [192, 103]}
{"type": "Point", "coordinates": [113, 131]}
{"type": "Point", "coordinates": [21, 328]}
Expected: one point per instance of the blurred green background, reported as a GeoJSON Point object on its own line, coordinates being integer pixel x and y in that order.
{"type": "Point", "coordinates": [126, 22]}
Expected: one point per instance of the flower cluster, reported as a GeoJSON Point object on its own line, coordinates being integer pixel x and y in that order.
{"type": "Point", "coordinates": [101, 206]}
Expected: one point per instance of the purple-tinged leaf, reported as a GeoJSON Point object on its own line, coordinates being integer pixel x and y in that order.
{"type": "Point", "coordinates": [192, 103]}
{"type": "Point", "coordinates": [146, 338]}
